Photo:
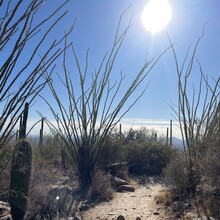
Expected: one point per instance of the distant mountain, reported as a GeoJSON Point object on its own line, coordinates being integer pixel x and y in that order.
{"type": "Point", "coordinates": [178, 143]}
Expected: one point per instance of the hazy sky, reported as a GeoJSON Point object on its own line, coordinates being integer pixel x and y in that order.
{"type": "Point", "coordinates": [95, 28]}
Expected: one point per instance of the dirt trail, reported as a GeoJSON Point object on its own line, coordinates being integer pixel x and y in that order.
{"type": "Point", "coordinates": [131, 205]}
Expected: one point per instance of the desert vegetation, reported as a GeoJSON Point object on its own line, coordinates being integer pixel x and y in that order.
{"type": "Point", "coordinates": [84, 151]}
{"type": "Point", "coordinates": [198, 115]}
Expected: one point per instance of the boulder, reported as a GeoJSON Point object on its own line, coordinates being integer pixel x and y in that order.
{"type": "Point", "coordinates": [128, 188]}
{"type": "Point", "coordinates": [178, 206]}
{"type": "Point", "coordinates": [5, 211]}
{"type": "Point", "coordinates": [6, 217]}
{"type": "Point", "coordinates": [205, 218]}
{"type": "Point", "coordinates": [64, 198]}
{"type": "Point", "coordinates": [120, 217]}
{"type": "Point", "coordinates": [116, 181]}
{"type": "Point", "coordinates": [115, 168]}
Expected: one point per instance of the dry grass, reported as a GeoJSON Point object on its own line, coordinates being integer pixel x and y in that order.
{"type": "Point", "coordinates": [101, 188]}
{"type": "Point", "coordinates": [41, 205]}
{"type": "Point", "coordinates": [163, 197]}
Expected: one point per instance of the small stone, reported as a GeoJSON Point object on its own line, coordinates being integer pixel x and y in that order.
{"type": "Point", "coordinates": [156, 213]}
{"type": "Point", "coordinates": [138, 218]}
{"type": "Point", "coordinates": [177, 206]}
{"type": "Point", "coordinates": [121, 217]}
{"type": "Point", "coordinates": [6, 217]}
{"type": "Point", "coordinates": [118, 181]}
{"type": "Point", "coordinates": [107, 199]}
{"type": "Point", "coordinates": [125, 188]}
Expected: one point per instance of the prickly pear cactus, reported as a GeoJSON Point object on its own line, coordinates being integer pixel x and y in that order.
{"type": "Point", "coordinates": [20, 179]}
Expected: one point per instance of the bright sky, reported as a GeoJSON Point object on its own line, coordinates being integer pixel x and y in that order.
{"type": "Point", "coordinates": [95, 28]}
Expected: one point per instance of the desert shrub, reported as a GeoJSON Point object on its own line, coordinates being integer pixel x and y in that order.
{"type": "Point", "coordinates": [175, 173]}
{"type": "Point", "coordinates": [147, 158]}
{"type": "Point", "coordinates": [45, 173]}
{"type": "Point", "coordinates": [101, 188]}
{"type": "Point", "coordinates": [5, 166]}
{"type": "Point", "coordinates": [210, 165]}
{"type": "Point", "coordinates": [142, 135]}
{"type": "Point", "coordinates": [209, 194]}
{"type": "Point", "coordinates": [112, 152]}
{"type": "Point", "coordinates": [41, 204]}
{"type": "Point", "coordinates": [50, 152]}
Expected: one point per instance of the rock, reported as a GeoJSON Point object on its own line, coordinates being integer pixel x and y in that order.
{"type": "Point", "coordinates": [115, 168]}
{"type": "Point", "coordinates": [4, 206]}
{"type": "Point", "coordinates": [128, 188]}
{"type": "Point", "coordinates": [205, 218]}
{"type": "Point", "coordinates": [156, 213]}
{"type": "Point", "coordinates": [5, 211]}
{"type": "Point", "coordinates": [64, 198]}
{"type": "Point", "coordinates": [6, 217]}
{"type": "Point", "coordinates": [116, 181]}
{"type": "Point", "coordinates": [63, 180]}
{"type": "Point", "coordinates": [191, 215]}
{"type": "Point", "coordinates": [85, 205]}
{"type": "Point", "coordinates": [121, 217]}
{"type": "Point", "coordinates": [138, 218]}
{"type": "Point", "coordinates": [178, 206]}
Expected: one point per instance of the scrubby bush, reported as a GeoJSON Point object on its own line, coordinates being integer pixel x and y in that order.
{"type": "Point", "coordinates": [147, 158]}
{"type": "Point", "coordinates": [112, 152]}
{"type": "Point", "coordinates": [41, 205]}
{"type": "Point", "coordinates": [50, 152]}
{"type": "Point", "coordinates": [142, 135]}
{"type": "Point", "coordinates": [176, 173]}
{"type": "Point", "coordinates": [140, 149]}
{"type": "Point", "coordinates": [45, 173]}
{"type": "Point", "coordinates": [101, 188]}
{"type": "Point", "coordinates": [5, 159]}
{"type": "Point", "coordinates": [210, 164]}
{"type": "Point", "coordinates": [209, 188]}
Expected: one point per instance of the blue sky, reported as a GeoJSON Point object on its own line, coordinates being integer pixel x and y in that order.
{"type": "Point", "coordinates": [95, 28]}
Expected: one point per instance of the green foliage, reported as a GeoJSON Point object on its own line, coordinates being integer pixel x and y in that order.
{"type": "Point", "coordinates": [49, 153]}
{"type": "Point", "coordinates": [142, 135]}
{"type": "Point", "coordinates": [112, 152]}
{"type": "Point", "coordinates": [143, 153]}
{"type": "Point", "coordinates": [147, 158]}
{"type": "Point", "coordinates": [20, 179]}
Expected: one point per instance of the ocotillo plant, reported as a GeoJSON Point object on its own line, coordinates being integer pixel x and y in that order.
{"type": "Point", "coordinates": [20, 172]}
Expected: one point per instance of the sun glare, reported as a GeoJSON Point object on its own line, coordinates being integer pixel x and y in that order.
{"type": "Point", "coordinates": [156, 15]}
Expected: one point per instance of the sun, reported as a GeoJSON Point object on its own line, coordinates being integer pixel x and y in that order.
{"type": "Point", "coordinates": [156, 15]}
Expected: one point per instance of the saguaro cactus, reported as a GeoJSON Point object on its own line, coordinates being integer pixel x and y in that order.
{"type": "Point", "coordinates": [20, 172]}
{"type": "Point", "coordinates": [23, 122]}
{"type": "Point", "coordinates": [20, 179]}
{"type": "Point", "coordinates": [41, 133]}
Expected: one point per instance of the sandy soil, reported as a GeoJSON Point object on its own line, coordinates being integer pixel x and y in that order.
{"type": "Point", "coordinates": [141, 203]}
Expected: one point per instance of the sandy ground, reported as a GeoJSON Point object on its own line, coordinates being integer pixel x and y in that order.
{"type": "Point", "coordinates": [141, 203]}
